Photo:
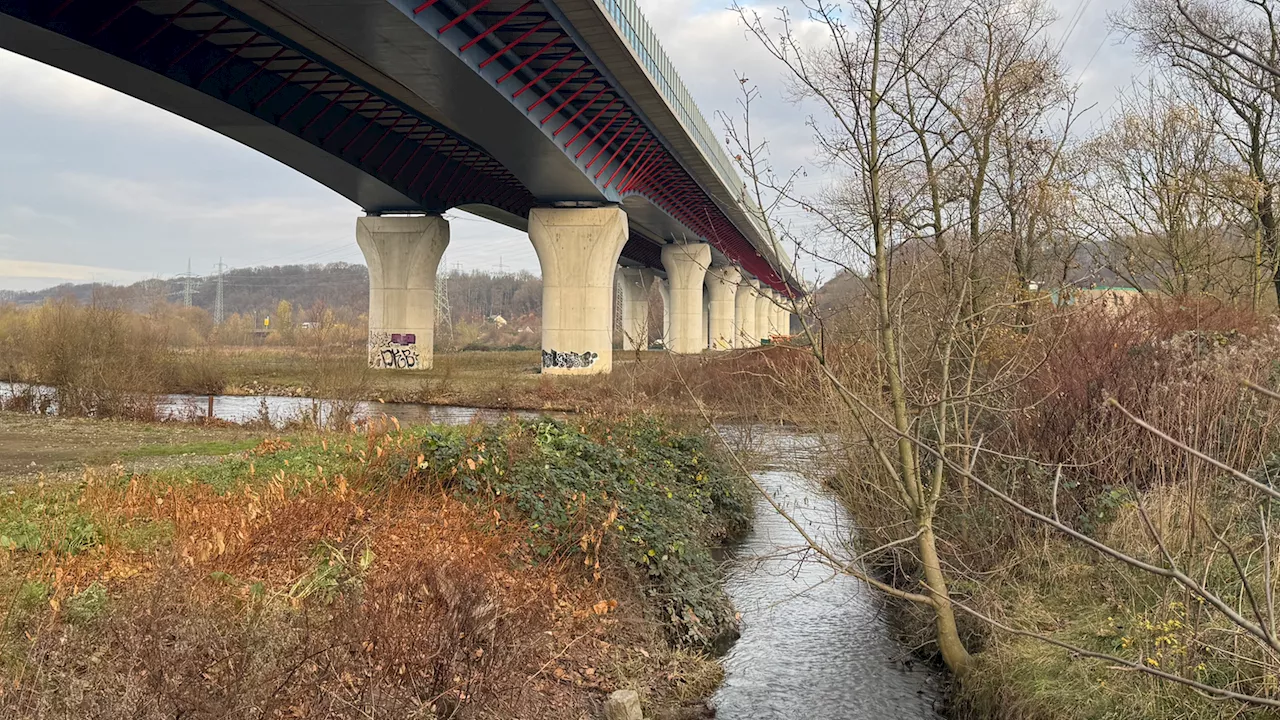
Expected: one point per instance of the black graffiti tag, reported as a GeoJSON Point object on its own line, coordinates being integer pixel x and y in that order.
{"type": "Point", "coordinates": [398, 358]}
{"type": "Point", "coordinates": [568, 360]}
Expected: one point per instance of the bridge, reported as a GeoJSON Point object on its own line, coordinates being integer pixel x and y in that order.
{"type": "Point", "coordinates": [561, 118]}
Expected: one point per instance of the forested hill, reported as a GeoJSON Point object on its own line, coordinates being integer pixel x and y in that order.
{"type": "Point", "coordinates": [258, 290]}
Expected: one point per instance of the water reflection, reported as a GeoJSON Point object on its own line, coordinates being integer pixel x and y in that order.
{"type": "Point", "coordinates": [279, 410]}
{"type": "Point", "coordinates": [282, 409]}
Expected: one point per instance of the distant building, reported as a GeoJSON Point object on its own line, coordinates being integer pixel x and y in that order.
{"type": "Point", "coordinates": [1113, 298]}
{"type": "Point", "coordinates": [497, 320]}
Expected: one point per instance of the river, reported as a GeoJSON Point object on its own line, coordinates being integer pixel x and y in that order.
{"type": "Point", "coordinates": [814, 646]}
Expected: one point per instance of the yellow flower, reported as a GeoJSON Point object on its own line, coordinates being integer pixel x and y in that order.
{"type": "Point", "coordinates": [1153, 663]}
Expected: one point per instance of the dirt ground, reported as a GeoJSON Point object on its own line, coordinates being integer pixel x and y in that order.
{"type": "Point", "coordinates": [32, 446]}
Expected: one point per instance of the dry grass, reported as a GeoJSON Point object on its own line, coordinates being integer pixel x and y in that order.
{"type": "Point", "coordinates": [319, 583]}
{"type": "Point", "coordinates": [759, 383]}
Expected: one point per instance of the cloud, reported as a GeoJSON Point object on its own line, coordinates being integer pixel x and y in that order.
{"type": "Point", "coordinates": [95, 176]}
{"type": "Point", "coordinates": [191, 202]}
{"type": "Point", "coordinates": [44, 89]}
{"type": "Point", "coordinates": [63, 272]}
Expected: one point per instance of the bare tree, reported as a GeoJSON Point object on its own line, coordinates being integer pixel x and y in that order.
{"type": "Point", "coordinates": [1150, 195]}
{"type": "Point", "coordinates": [1228, 55]}
{"type": "Point", "coordinates": [933, 118]}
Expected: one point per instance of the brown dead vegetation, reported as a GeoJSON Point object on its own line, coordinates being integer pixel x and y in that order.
{"type": "Point", "coordinates": [306, 595]}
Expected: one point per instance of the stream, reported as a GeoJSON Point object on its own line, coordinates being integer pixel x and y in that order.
{"type": "Point", "coordinates": [813, 646]}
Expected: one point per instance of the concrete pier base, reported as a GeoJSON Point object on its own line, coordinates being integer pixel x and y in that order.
{"type": "Point", "coordinates": [403, 254]}
{"type": "Point", "coordinates": [722, 289]}
{"type": "Point", "coordinates": [686, 267]}
{"type": "Point", "coordinates": [744, 330]}
{"type": "Point", "coordinates": [578, 250]}
{"type": "Point", "coordinates": [635, 284]}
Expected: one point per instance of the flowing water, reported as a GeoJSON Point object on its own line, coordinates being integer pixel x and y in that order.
{"type": "Point", "coordinates": [814, 646]}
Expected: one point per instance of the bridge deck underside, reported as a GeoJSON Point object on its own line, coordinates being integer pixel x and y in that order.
{"type": "Point", "coordinates": [389, 118]}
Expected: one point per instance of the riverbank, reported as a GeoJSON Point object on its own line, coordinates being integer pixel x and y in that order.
{"type": "Point", "coordinates": [1102, 548]}
{"type": "Point", "coordinates": [745, 384]}
{"type": "Point", "coordinates": [538, 566]}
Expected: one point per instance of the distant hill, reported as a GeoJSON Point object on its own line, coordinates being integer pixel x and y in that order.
{"type": "Point", "coordinates": [256, 291]}
{"type": "Point", "coordinates": [246, 291]}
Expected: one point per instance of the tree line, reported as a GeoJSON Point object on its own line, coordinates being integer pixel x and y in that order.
{"type": "Point", "coordinates": [968, 203]}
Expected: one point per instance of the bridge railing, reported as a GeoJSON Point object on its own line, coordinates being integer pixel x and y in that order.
{"type": "Point", "coordinates": [640, 35]}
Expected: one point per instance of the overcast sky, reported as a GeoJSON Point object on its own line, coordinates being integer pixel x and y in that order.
{"type": "Point", "coordinates": [97, 186]}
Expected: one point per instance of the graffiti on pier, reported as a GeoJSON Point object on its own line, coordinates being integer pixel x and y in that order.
{"type": "Point", "coordinates": [567, 360]}
{"type": "Point", "coordinates": [393, 351]}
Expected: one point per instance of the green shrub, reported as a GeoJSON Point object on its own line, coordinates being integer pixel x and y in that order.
{"type": "Point", "coordinates": [652, 499]}
{"type": "Point", "coordinates": [46, 525]}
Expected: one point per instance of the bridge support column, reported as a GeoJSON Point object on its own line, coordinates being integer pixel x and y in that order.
{"type": "Point", "coordinates": [635, 284]}
{"type": "Point", "coordinates": [764, 313]}
{"type": "Point", "coordinates": [686, 267]}
{"type": "Point", "coordinates": [783, 321]}
{"type": "Point", "coordinates": [578, 250]}
{"type": "Point", "coordinates": [706, 318]}
{"type": "Point", "coordinates": [403, 254]}
{"type": "Point", "coordinates": [722, 289]}
{"type": "Point", "coordinates": [664, 289]}
{"type": "Point", "coordinates": [744, 330]}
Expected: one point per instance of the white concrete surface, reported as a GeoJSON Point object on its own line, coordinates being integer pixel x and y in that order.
{"type": "Point", "coordinates": [664, 289]}
{"type": "Point", "coordinates": [686, 267]}
{"type": "Point", "coordinates": [764, 313]}
{"type": "Point", "coordinates": [635, 284]}
{"type": "Point", "coordinates": [744, 329]}
{"type": "Point", "coordinates": [722, 289]}
{"type": "Point", "coordinates": [578, 250]}
{"type": "Point", "coordinates": [783, 316]}
{"type": "Point", "coordinates": [403, 254]}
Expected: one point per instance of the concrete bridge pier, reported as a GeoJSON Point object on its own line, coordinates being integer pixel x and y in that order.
{"type": "Point", "coordinates": [764, 307]}
{"type": "Point", "coordinates": [722, 289]}
{"type": "Point", "coordinates": [664, 289]}
{"type": "Point", "coordinates": [745, 313]}
{"type": "Point", "coordinates": [578, 250]}
{"type": "Point", "coordinates": [686, 267]}
{"type": "Point", "coordinates": [706, 319]}
{"type": "Point", "coordinates": [403, 254]}
{"type": "Point", "coordinates": [635, 284]}
{"type": "Point", "coordinates": [783, 321]}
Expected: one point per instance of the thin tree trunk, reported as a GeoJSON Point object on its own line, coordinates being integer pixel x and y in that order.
{"type": "Point", "coordinates": [952, 648]}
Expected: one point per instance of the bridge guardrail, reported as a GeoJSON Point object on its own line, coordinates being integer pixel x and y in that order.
{"type": "Point", "coordinates": [640, 35]}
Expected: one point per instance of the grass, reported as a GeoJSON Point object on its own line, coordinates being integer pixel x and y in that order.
{"type": "Point", "coordinates": [1071, 596]}
{"type": "Point", "coordinates": [56, 448]}
{"type": "Point", "coordinates": [522, 569]}
{"type": "Point", "coordinates": [1066, 454]}
{"type": "Point", "coordinates": [754, 383]}
{"type": "Point", "coordinates": [208, 447]}
{"type": "Point", "coordinates": [454, 375]}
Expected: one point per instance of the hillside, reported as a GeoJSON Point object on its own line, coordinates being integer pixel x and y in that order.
{"type": "Point", "coordinates": [342, 286]}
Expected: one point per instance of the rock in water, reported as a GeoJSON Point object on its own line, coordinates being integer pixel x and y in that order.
{"type": "Point", "coordinates": [623, 705]}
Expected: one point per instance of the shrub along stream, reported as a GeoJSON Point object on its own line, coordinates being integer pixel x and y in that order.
{"type": "Point", "coordinates": [519, 569]}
